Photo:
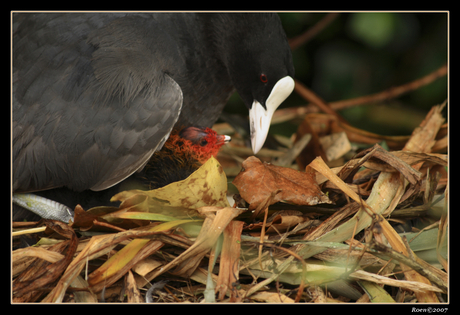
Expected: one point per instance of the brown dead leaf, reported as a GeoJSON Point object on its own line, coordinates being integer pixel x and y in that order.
{"type": "Point", "coordinates": [26, 253]}
{"type": "Point", "coordinates": [421, 140]}
{"type": "Point", "coordinates": [216, 221]}
{"type": "Point", "coordinates": [24, 285]}
{"type": "Point", "coordinates": [100, 219]}
{"type": "Point", "coordinates": [41, 272]}
{"type": "Point", "coordinates": [443, 233]}
{"type": "Point", "coordinates": [324, 124]}
{"type": "Point", "coordinates": [335, 145]}
{"type": "Point", "coordinates": [132, 292]}
{"type": "Point", "coordinates": [281, 221]}
{"type": "Point", "coordinates": [229, 261]}
{"type": "Point", "coordinates": [257, 181]}
{"type": "Point", "coordinates": [104, 275]}
{"type": "Point", "coordinates": [138, 249]}
{"type": "Point", "coordinates": [271, 297]}
{"type": "Point", "coordinates": [423, 137]}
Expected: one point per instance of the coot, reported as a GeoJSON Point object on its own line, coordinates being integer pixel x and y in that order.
{"type": "Point", "coordinates": [96, 94]}
{"type": "Point", "coordinates": [182, 154]}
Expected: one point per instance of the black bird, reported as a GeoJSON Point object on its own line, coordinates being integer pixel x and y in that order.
{"type": "Point", "coordinates": [182, 154]}
{"type": "Point", "coordinates": [96, 94]}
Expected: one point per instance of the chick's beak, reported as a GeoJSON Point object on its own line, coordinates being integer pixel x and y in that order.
{"type": "Point", "coordinates": [222, 139]}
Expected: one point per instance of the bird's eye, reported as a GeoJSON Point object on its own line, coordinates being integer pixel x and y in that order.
{"type": "Point", "coordinates": [203, 142]}
{"type": "Point", "coordinates": [263, 78]}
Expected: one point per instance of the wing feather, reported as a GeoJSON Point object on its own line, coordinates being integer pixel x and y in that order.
{"type": "Point", "coordinates": [77, 122]}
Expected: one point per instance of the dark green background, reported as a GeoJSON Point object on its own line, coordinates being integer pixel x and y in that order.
{"type": "Point", "coordinates": [364, 53]}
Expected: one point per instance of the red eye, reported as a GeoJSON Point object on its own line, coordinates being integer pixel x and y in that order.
{"type": "Point", "coordinates": [263, 78]}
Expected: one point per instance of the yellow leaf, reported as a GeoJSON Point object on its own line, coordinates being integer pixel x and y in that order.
{"type": "Point", "coordinates": [375, 292]}
{"type": "Point", "coordinates": [207, 186]}
{"type": "Point", "coordinates": [114, 267]}
{"type": "Point", "coordinates": [137, 215]}
{"type": "Point", "coordinates": [215, 223]}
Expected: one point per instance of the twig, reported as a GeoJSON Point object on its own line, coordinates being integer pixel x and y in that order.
{"type": "Point", "coordinates": [108, 225]}
{"type": "Point", "coordinates": [409, 262]}
{"type": "Point", "coordinates": [262, 235]}
{"type": "Point", "coordinates": [391, 92]}
{"type": "Point", "coordinates": [331, 107]}
{"type": "Point", "coordinates": [280, 269]}
{"type": "Point", "coordinates": [313, 31]}
{"type": "Point", "coordinates": [29, 231]}
{"type": "Point", "coordinates": [311, 96]}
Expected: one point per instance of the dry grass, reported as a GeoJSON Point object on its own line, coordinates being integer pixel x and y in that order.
{"type": "Point", "coordinates": [350, 251]}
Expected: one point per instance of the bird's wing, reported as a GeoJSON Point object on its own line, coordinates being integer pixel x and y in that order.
{"type": "Point", "coordinates": [91, 99]}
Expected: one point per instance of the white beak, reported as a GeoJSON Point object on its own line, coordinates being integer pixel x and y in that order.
{"type": "Point", "coordinates": [260, 118]}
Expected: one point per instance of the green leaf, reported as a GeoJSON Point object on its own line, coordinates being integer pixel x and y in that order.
{"type": "Point", "coordinates": [375, 292]}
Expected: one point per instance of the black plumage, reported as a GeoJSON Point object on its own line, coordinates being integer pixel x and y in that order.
{"type": "Point", "coordinates": [96, 94]}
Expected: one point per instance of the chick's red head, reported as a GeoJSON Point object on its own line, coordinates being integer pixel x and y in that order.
{"type": "Point", "coordinates": [199, 143]}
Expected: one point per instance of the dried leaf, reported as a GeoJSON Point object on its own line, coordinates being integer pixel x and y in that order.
{"type": "Point", "coordinates": [376, 293]}
{"type": "Point", "coordinates": [442, 239]}
{"type": "Point", "coordinates": [145, 266]}
{"type": "Point", "coordinates": [39, 252]}
{"type": "Point", "coordinates": [257, 181]}
{"type": "Point", "coordinates": [383, 192]}
{"type": "Point", "coordinates": [315, 273]}
{"type": "Point", "coordinates": [117, 265]}
{"type": "Point", "coordinates": [271, 297]}
{"type": "Point", "coordinates": [281, 221]}
{"type": "Point", "coordinates": [422, 140]}
{"type": "Point", "coordinates": [138, 215]}
{"type": "Point", "coordinates": [322, 124]}
{"type": "Point", "coordinates": [82, 293]}
{"type": "Point", "coordinates": [229, 261]}
{"type": "Point", "coordinates": [38, 271]}
{"type": "Point", "coordinates": [410, 285]}
{"type": "Point", "coordinates": [103, 219]}
{"type": "Point", "coordinates": [423, 137]}
{"type": "Point", "coordinates": [43, 273]}
{"type": "Point", "coordinates": [335, 145]}
{"type": "Point", "coordinates": [320, 166]}
{"type": "Point", "coordinates": [317, 294]}
{"type": "Point", "coordinates": [207, 186]}
{"type": "Point", "coordinates": [215, 223]}
{"type": "Point", "coordinates": [434, 274]}
{"type": "Point", "coordinates": [293, 152]}
{"type": "Point", "coordinates": [132, 292]}
{"type": "Point", "coordinates": [98, 245]}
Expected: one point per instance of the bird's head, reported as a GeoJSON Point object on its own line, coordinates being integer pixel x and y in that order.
{"type": "Point", "coordinates": [260, 66]}
{"type": "Point", "coordinates": [199, 143]}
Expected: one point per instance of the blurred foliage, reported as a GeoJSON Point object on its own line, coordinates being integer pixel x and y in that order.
{"type": "Point", "coordinates": [364, 53]}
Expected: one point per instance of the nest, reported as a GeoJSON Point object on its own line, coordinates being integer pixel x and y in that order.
{"type": "Point", "coordinates": [371, 229]}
